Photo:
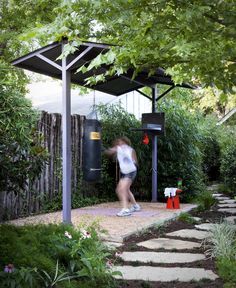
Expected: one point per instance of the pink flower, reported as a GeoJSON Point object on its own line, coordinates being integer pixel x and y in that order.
{"type": "Point", "coordinates": [68, 235]}
{"type": "Point", "coordinates": [9, 268]}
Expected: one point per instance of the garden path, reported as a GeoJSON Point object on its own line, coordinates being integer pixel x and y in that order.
{"type": "Point", "coordinates": [148, 265]}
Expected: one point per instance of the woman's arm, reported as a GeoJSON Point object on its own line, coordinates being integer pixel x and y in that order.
{"type": "Point", "coordinates": [110, 151]}
{"type": "Point", "coordinates": [134, 157]}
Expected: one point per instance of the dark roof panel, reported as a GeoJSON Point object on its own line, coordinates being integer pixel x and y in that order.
{"type": "Point", "coordinates": [45, 61]}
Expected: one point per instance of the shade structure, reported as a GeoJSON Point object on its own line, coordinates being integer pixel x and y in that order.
{"type": "Point", "coordinates": [46, 61]}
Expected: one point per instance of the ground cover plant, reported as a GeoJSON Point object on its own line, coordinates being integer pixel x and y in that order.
{"type": "Point", "coordinates": [53, 256]}
{"type": "Point", "coordinates": [222, 246]}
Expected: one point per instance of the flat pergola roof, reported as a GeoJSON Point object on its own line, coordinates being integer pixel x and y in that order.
{"type": "Point", "coordinates": [44, 61]}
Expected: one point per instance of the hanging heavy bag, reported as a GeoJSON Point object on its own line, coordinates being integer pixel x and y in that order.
{"type": "Point", "coordinates": [92, 150]}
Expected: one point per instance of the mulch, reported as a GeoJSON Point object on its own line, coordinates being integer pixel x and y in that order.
{"type": "Point", "coordinates": [212, 216]}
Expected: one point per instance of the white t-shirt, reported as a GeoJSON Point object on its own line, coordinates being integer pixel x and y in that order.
{"type": "Point", "coordinates": [124, 156]}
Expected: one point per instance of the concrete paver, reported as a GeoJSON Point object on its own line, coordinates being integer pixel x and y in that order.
{"type": "Point", "coordinates": [190, 233]}
{"type": "Point", "coordinates": [206, 226]}
{"type": "Point", "coordinates": [217, 195]}
{"type": "Point", "coordinates": [168, 244]}
{"type": "Point", "coordinates": [230, 219]}
{"type": "Point", "coordinates": [213, 187]}
{"type": "Point", "coordinates": [229, 205]}
{"type": "Point", "coordinates": [222, 198]}
{"type": "Point", "coordinates": [230, 201]}
{"type": "Point", "coordinates": [197, 219]}
{"type": "Point", "coordinates": [228, 210]}
{"type": "Point", "coordinates": [164, 274]}
{"type": "Point", "coordinates": [161, 257]}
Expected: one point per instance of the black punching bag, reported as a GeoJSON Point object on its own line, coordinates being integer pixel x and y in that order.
{"type": "Point", "coordinates": [92, 150]}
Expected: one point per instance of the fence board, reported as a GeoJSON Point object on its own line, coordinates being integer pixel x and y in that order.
{"type": "Point", "coordinates": [49, 183]}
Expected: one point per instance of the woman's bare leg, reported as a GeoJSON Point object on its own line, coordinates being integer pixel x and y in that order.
{"type": "Point", "coordinates": [122, 191]}
{"type": "Point", "coordinates": [131, 197]}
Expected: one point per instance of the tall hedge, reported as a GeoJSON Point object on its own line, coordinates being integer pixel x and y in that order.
{"type": "Point", "coordinates": [228, 157]}
{"type": "Point", "coordinates": [178, 151]}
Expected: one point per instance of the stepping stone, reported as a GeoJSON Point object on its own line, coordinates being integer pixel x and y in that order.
{"type": "Point", "coordinates": [168, 244]}
{"type": "Point", "coordinates": [213, 187]}
{"type": "Point", "coordinates": [190, 233]}
{"type": "Point", "coordinates": [222, 198]}
{"type": "Point", "coordinates": [161, 257]}
{"type": "Point", "coordinates": [164, 274]}
{"type": "Point", "coordinates": [197, 219]}
{"type": "Point", "coordinates": [230, 219]}
{"type": "Point", "coordinates": [228, 210]}
{"type": "Point", "coordinates": [206, 226]}
{"type": "Point", "coordinates": [227, 205]}
{"type": "Point", "coordinates": [230, 201]}
{"type": "Point", "coordinates": [217, 195]}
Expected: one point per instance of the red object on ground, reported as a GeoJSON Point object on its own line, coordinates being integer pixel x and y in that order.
{"type": "Point", "coordinates": [145, 139]}
{"type": "Point", "coordinates": [169, 204]}
{"type": "Point", "coordinates": [173, 202]}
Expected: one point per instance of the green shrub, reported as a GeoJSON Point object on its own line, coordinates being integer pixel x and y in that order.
{"type": "Point", "coordinates": [210, 147]}
{"type": "Point", "coordinates": [205, 200]}
{"type": "Point", "coordinates": [221, 243]}
{"type": "Point", "coordinates": [186, 217]}
{"type": "Point", "coordinates": [178, 153]}
{"type": "Point", "coordinates": [228, 167]}
{"type": "Point", "coordinates": [227, 271]}
{"type": "Point", "coordinates": [227, 138]}
{"type": "Point", "coordinates": [77, 201]}
{"type": "Point", "coordinates": [58, 252]}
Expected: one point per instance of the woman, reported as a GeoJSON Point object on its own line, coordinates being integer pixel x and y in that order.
{"type": "Point", "coordinates": [128, 167]}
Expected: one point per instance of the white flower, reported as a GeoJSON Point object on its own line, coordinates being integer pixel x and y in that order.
{"type": "Point", "coordinates": [118, 254]}
{"type": "Point", "coordinates": [109, 264]}
{"type": "Point", "coordinates": [68, 235]}
{"type": "Point", "coordinates": [85, 234]}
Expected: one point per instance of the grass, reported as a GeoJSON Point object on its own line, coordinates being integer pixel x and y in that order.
{"type": "Point", "coordinates": [222, 242]}
{"type": "Point", "coordinates": [186, 217]}
{"type": "Point", "coordinates": [205, 200]}
{"type": "Point", "coordinates": [222, 245]}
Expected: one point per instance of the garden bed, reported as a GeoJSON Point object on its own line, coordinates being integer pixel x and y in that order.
{"type": "Point", "coordinates": [212, 216]}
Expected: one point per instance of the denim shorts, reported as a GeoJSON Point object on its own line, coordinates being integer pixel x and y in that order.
{"type": "Point", "coordinates": [130, 175]}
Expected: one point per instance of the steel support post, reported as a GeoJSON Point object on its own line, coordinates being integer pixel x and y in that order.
{"type": "Point", "coordinates": [154, 150]}
{"type": "Point", "coordinates": [66, 141]}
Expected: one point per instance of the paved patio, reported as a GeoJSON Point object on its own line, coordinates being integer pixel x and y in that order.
{"type": "Point", "coordinates": [118, 228]}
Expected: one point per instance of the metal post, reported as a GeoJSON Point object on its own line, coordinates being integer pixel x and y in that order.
{"type": "Point", "coordinates": [154, 150]}
{"type": "Point", "coordinates": [66, 141]}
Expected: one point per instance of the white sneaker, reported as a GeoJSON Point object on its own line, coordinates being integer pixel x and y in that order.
{"type": "Point", "coordinates": [124, 212]}
{"type": "Point", "coordinates": [135, 208]}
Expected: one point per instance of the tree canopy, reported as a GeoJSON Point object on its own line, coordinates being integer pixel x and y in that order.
{"type": "Point", "coordinates": [193, 40]}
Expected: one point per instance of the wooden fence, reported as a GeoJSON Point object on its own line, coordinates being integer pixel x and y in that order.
{"type": "Point", "coordinates": [49, 183]}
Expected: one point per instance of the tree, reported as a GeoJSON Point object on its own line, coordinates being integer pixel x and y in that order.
{"type": "Point", "coordinates": [21, 156]}
{"type": "Point", "coordinates": [193, 40]}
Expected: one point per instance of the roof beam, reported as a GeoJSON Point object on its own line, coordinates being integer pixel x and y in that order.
{"type": "Point", "coordinates": [163, 94]}
{"type": "Point", "coordinates": [144, 94]}
{"type": "Point", "coordinates": [133, 80]}
{"type": "Point", "coordinates": [79, 57]}
{"type": "Point", "coordinates": [45, 59]}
